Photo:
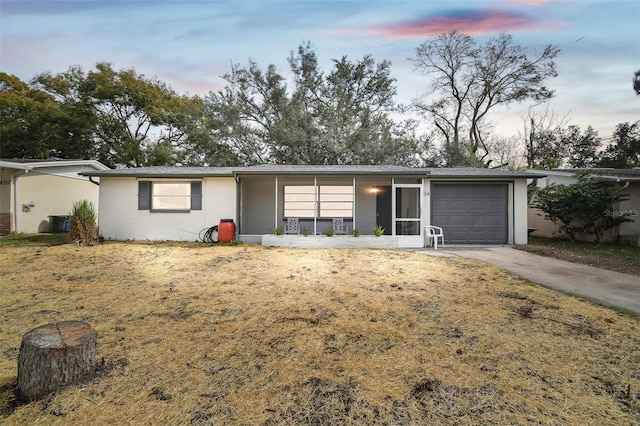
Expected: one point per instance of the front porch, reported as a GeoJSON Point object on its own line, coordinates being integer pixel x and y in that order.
{"type": "Point", "coordinates": [362, 202]}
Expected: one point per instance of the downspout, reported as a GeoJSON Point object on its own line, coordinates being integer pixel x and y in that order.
{"type": "Point", "coordinates": [239, 205]}
{"type": "Point", "coordinates": [93, 181]}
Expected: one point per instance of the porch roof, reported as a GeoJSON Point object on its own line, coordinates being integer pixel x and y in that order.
{"type": "Point", "coordinates": [331, 170]}
{"type": "Point", "coordinates": [311, 170]}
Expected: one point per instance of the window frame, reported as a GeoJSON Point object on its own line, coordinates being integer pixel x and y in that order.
{"type": "Point", "coordinates": [320, 205]}
{"type": "Point", "coordinates": [146, 195]}
{"type": "Point", "coordinates": [295, 212]}
{"type": "Point", "coordinates": [333, 204]}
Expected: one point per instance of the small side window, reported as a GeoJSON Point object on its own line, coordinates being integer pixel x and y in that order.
{"type": "Point", "coordinates": [144, 195]}
{"type": "Point", "coordinates": [196, 195]}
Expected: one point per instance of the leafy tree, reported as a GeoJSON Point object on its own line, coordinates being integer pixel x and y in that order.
{"type": "Point", "coordinates": [249, 113]}
{"type": "Point", "coordinates": [586, 207]}
{"type": "Point", "coordinates": [34, 124]}
{"type": "Point", "coordinates": [624, 150]}
{"type": "Point", "coordinates": [77, 121]}
{"type": "Point", "coordinates": [200, 147]}
{"type": "Point", "coordinates": [470, 80]}
{"type": "Point", "coordinates": [341, 117]}
{"type": "Point", "coordinates": [636, 82]}
{"type": "Point", "coordinates": [581, 147]}
{"type": "Point", "coordinates": [131, 110]}
{"type": "Point", "coordinates": [128, 119]}
{"type": "Point", "coordinates": [20, 111]}
{"type": "Point", "coordinates": [550, 143]}
{"type": "Point", "coordinates": [549, 152]}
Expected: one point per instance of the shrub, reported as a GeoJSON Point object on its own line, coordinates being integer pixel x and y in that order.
{"type": "Point", "coordinates": [586, 206]}
{"type": "Point", "coordinates": [378, 230]}
{"type": "Point", "coordinates": [356, 232]}
{"type": "Point", "coordinates": [83, 228]}
{"type": "Point", "coordinates": [329, 232]}
{"type": "Point", "coordinates": [278, 231]}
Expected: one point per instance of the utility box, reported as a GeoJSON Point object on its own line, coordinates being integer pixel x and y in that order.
{"type": "Point", "coordinates": [58, 224]}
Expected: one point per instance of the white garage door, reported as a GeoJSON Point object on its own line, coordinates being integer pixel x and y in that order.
{"type": "Point", "coordinates": [471, 213]}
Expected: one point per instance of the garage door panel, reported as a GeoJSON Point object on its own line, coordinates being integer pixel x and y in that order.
{"type": "Point", "coordinates": [496, 191]}
{"type": "Point", "coordinates": [477, 235]}
{"type": "Point", "coordinates": [458, 205]}
{"type": "Point", "coordinates": [495, 222]}
{"type": "Point", "coordinates": [441, 221]}
{"type": "Point", "coordinates": [454, 236]}
{"type": "Point", "coordinates": [476, 205]}
{"type": "Point", "coordinates": [471, 213]}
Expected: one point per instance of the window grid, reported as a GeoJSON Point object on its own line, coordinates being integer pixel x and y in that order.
{"type": "Point", "coordinates": [331, 201]}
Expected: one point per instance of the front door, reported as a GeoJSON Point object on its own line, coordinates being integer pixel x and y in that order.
{"type": "Point", "coordinates": [407, 217]}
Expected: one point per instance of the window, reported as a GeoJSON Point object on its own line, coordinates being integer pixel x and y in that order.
{"type": "Point", "coordinates": [336, 201]}
{"type": "Point", "coordinates": [299, 201]}
{"type": "Point", "coordinates": [331, 201]}
{"type": "Point", "coordinates": [169, 196]}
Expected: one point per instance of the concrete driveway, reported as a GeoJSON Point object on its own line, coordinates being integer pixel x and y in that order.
{"type": "Point", "coordinates": [606, 287]}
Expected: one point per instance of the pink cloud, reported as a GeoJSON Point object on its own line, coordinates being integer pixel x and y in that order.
{"type": "Point", "coordinates": [468, 22]}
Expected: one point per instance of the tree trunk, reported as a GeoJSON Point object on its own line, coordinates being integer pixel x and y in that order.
{"type": "Point", "coordinates": [53, 356]}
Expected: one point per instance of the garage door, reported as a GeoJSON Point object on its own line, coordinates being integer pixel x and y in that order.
{"type": "Point", "coordinates": [471, 213]}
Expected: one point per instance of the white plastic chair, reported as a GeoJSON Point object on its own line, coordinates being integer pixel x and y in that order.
{"type": "Point", "coordinates": [432, 233]}
{"type": "Point", "coordinates": [292, 226]}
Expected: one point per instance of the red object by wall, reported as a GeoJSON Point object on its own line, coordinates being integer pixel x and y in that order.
{"type": "Point", "coordinates": [226, 231]}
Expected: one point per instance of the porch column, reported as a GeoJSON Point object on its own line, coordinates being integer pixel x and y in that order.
{"type": "Point", "coordinates": [276, 201]}
{"type": "Point", "coordinates": [315, 204]}
{"type": "Point", "coordinates": [353, 207]}
{"type": "Point", "coordinates": [393, 206]}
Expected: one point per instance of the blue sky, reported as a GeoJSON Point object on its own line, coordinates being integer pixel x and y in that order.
{"type": "Point", "coordinates": [190, 44]}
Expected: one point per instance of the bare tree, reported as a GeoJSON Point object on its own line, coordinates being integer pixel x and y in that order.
{"type": "Point", "coordinates": [542, 138]}
{"type": "Point", "coordinates": [470, 80]}
{"type": "Point", "coordinates": [506, 153]}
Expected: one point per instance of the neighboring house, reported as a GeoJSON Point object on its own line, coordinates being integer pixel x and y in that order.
{"type": "Point", "coordinates": [474, 206]}
{"type": "Point", "coordinates": [628, 180]}
{"type": "Point", "coordinates": [34, 193]}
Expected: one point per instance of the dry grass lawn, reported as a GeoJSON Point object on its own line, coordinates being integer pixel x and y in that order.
{"type": "Point", "coordinates": [260, 336]}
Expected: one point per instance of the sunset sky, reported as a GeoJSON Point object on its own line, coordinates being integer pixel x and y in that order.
{"type": "Point", "coordinates": [190, 44]}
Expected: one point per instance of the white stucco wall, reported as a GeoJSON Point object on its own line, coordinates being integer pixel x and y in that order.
{"type": "Point", "coordinates": [520, 210]}
{"type": "Point", "coordinates": [50, 195]}
{"type": "Point", "coordinates": [120, 218]}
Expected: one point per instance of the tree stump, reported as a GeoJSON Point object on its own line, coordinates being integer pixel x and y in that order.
{"type": "Point", "coordinates": [53, 356]}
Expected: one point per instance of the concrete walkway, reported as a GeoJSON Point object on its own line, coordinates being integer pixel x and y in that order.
{"type": "Point", "coordinates": [607, 287]}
